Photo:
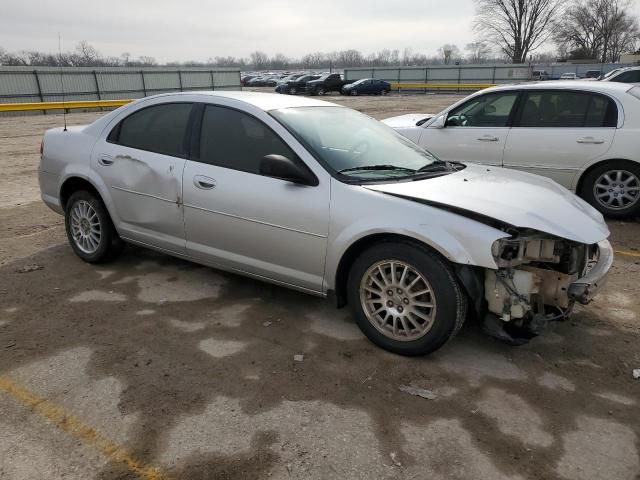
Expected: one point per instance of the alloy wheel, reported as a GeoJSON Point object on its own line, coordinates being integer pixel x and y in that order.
{"type": "Point", "coordinates": [617, 189]}
{"type": "Point", "coordinates": [86, 229]}
{"type": "Point", "coordinates": [398, 300]}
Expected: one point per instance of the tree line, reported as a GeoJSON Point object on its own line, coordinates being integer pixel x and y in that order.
{"type": "Point", "coordinates": [507, 31]}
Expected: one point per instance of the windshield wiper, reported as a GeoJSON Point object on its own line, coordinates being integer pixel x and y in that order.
{"type": "Point", "coordinates": [438, 166]}
{"type": "Point", "coordinates": [366, 168]}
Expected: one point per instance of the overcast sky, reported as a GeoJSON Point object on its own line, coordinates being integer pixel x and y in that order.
{"type": "Point", "coordinates": [197, 29]}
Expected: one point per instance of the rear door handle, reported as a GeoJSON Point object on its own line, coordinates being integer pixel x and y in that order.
{"type": "Point", "coordinates": [590, 140]}
{"type": "Point", "coordinates": [488, 138]}
{"type": "Point", "coordinates": [204, 183]}
{"type": "Point", "coordinates": [105, 160]}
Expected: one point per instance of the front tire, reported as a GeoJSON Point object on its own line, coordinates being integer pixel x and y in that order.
{"type": "Point", "coordinates": [320, 92]}
{"type": "Point", "coordinates": [89, 228]}
{"type": "Point", "coordinates": [292, 91]}
{"type": "Point", "coordinates": [614, 188]}
{"type": "Point", "coordinates": [405, 298]}
{"type": "Point", "coordinates": [354, 93]}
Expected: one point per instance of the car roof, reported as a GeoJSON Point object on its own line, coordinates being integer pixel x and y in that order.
{"type": "Point", "coordinates": [612, 88]}
{"type": "Point", "coordinates": [263, 101]}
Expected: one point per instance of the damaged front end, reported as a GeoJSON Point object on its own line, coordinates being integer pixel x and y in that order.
{"type": "Point", "coordinates": [538, 280]}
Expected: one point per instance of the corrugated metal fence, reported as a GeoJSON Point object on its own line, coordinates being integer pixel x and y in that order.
{"type": "Point", "coordinates": [46, 84]}
{"type": "Point", "coordinates": [470, 74]}
{"type": "Point", "coordinates": [463, 74]}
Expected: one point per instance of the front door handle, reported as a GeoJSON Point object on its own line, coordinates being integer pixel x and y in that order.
{"type": "Point", "coordinates": [105, 160]}
{"type": "Point", "coordinates": [204, 183]}
{"type": "Point", "coordinates": [488, 138]}
{"type": "Point", "coordinates": [590, 140]}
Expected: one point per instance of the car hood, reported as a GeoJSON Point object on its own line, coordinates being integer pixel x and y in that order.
{"type": "Point", "coordinates": [519, 199]}
{"type": "Point", "coordinates": [407, 121]}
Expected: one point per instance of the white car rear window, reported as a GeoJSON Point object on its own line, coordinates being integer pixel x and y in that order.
{"type": "Point", "coordinates": [635, 91]}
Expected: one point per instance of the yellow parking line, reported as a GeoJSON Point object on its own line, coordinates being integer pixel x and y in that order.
{"type": "Point", "coordinates": [76, 428]}
{"type": "Point", "coordinates": [627, 253]}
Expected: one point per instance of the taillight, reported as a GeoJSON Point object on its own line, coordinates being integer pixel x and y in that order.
{"type": "Point", "coordinates": [41, 147]}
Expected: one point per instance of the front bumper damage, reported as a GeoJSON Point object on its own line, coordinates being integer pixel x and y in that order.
{"type": "Point", "coordinates": [584, 289]}
{"type": "Point", "coordinates": [539, 279]}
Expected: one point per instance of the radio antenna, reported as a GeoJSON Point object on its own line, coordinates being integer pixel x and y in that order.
{"type": "Point", "coordinates": [64, 110]}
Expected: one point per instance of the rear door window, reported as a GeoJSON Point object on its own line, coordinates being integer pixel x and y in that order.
{"type": "Point", "coordinates": [566, 109]}
{"type": "Point", "coordinates": [159, 129]}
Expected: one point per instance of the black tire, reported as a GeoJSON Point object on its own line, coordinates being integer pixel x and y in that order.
{"type": "Point", "coordinates": [354, 93]}
{"type": "Point", "coordinates": [384, 92]}
{"type": "Point", "coordinates": [450, 300]}
{"type": "Point", "coordinates": [320, 91]}
{"type": "Point", "coordinates": [110, 244]}
{"type": "Point", "coordinates": [587, 190]}
{"type": "Point", "coordinates": [292, 91]}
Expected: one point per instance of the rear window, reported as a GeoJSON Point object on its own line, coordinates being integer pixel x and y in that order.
{"type": "Point", "coordinates": [160, 129]}
{"type": "Point", "coordinates": [562, 109]}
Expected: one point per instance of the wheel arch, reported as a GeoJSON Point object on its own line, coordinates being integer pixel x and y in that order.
{"type": "Point", "coordinates": [465, 274]}
{"type": "Point", "coordinates": [74, 184]}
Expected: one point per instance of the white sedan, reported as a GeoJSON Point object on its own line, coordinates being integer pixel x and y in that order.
{"type": "Point", "coordinates": [584, 135]}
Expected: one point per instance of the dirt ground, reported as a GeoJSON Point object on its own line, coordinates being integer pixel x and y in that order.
{"type": "Point", "coordinates": [155, 368]}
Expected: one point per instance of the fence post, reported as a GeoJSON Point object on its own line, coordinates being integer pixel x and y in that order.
{"type": "Point", "coordinates": [35, 72]}
{"type": "Point", "coordinates": [144, 84]}
{"type": "Point", "coordinates": [426, 78]}
{"type": "Point", "coordinates": [213, 85]}
{"type": "Point", "coordinates": [95, 79]}
{"type": "Point", "coordinates": [493, 80]}
{"type": "Point", "coordinates": [459, 76]}
{"type": "Point", "coordinates": [180, 80]}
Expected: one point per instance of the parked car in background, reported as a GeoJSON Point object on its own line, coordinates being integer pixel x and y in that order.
{"type": "Point", "coordinates": [539, 75]}
{"type": "Point", "coordinates": [299, 85]}
{"type": "Point", "coordinates": [329, 82]}
{"type": "Point", "coordinates": [623, 75]}
{"type": "Point", "coordinates": [367, 86]}
{"type": "Point", "coordinates": [593, 74]}
{"type": "Point", "coordinates": [324, 199]}
{"type": "Point", "coordinates": [245, 79]}
{"type": "Point", "coordinates": [569, 76]}
{"type": "Point", "coordinates": [290, 78]}
{"type": "Point", "coordinates": [584, 135]}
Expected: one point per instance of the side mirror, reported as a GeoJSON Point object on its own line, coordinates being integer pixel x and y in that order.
{"type": "Point", "coordinates": [439, 122]}
{"type": "Point", "coordinates": [279, 166]}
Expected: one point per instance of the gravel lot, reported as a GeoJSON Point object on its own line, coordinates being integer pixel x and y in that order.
{"type": "Point", "coordinates": [155, 368]}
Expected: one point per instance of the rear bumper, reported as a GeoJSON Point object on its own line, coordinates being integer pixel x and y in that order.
{"type": "Point", "coordinates": [586, 288]}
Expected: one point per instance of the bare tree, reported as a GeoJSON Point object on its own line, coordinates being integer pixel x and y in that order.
{"type": "Point", "coordinates": [259, 60]}
{"type": "Point", "coordinates": [598, 29]}
{"type": "Point", "coordinates": [87, 56]}
{"type": "Point", "coordinates": [448, 52]}
{"type": "Point", "coordinates": [517, 27]}
{"type": "Point", "coordinates": [280, 62]}
{"type": "Point", "coordinates": [478, 51]}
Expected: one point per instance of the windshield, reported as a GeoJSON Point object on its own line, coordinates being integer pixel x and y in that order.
{"type": "Point", "coordinates": [358, 82]}
{"type": "Point", "coordinates": [355, 145]}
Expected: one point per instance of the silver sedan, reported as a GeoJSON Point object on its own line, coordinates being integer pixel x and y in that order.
{"type": "Point", "coordinates": [323, 199]}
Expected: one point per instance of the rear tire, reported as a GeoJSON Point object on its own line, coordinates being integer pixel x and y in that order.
{"type": "Point", "coordinates": [419, 307]}
{"type": "Point", "coordinates": [613, 188]}
{"type": "Point", "coordinates": [354, 93]}
{"type": "Point", "coordinates": [292, 91]}
{"type": "Point", "coordinates": [89, 228]}
{"type": "Point", "coordinates": [320, 92]}
{"type": "Point", "coordinates": [384, 93]}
